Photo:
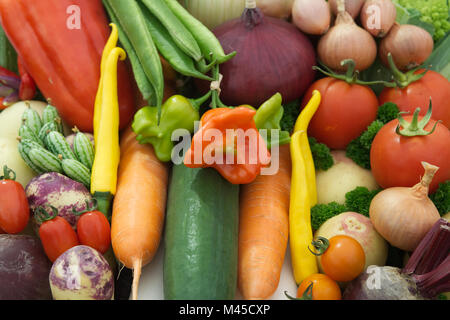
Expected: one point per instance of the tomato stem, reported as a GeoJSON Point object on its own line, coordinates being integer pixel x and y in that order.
{"type": "Point", "coordinates": [89, 207]}
{"type": "Point", "coordinates": [320, 245]}
{"type": "Point", "coordinates": [42, 215]}
{"type": "Point", "coordinates": [8, 174]}
{"type": "Point", "coordinates": [401, 79]}
{"type": "Point", "coordinates": [415, 127]}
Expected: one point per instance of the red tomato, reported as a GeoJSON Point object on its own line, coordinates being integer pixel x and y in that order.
{"type": "Point", "coordinates": [417, 95]}
{"type": "Point", "coordinates": [396, 160]}
{"type": "Point", "coordinates": [93, 230]}
{"type": "Point", "coordinates": [344, 112]}
{"type": "Point", "coordinates": [57, 236]}
{"type": "Point", "coordinates": [14, 208]}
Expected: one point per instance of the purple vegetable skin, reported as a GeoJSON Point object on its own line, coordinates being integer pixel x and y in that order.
{"type": "Point", "coordinates": [24, 269]}
{"type": "Point", "coordinates": [81, 273]}
{"type": "Point", "coordinates": [426, 274]}
{"type": "Point", "coordinates": [55, 189]}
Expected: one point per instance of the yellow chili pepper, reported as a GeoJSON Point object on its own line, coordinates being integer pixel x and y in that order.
{"type": "Point", "coordinates": [110, 44]}
{"type": "Point", "coordinates": [107, 149]}
{"type": "Point", "coordinates": [303, 195]}
{"type": "Point", "coordinates": [302, 123]}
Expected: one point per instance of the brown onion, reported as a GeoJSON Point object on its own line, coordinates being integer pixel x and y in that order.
{"type": "Point", "coordinates": [378, 16]}
{"type": "Point", "coordinates": [272, 56]}
{"type": "Point", "coordinates": [312, 17]}
{"type": "Point", "coordinates": [275, 8]}
{"type": "Point", "coordinates": [404, 215]}
{"type": "Point", "coordinates": [346, 40]}
{"type": "Point", "coordinates": [409, 45]}
{"type": "Point", "coordinates": [353, 7]}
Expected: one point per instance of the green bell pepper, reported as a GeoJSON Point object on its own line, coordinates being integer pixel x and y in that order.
{"type": "Point", "coordinates": [268, 116]}
{"type": "Point", "coordinates": [178, 112]}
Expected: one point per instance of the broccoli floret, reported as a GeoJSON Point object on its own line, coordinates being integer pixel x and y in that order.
{"type": "Point", "coordinates": [441, 197]}
{"type": "Point", "coordinates": [321, 155]}
{"type": "Point", "coordinates": [359, 149]}
{"type": "Point", "coordinates": [290, 115]}
{"type": "Point", "coordinates": [322, 212]}
{"type": "Point", "coordinates": [435, 12]}
{"type": "Point", "coordinates": [387, 112]}
{"type": "Point", "coordinates": [359, 199]}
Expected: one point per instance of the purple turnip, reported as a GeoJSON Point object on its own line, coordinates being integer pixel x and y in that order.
{"type": "Point", "coordinates": [59, 191]}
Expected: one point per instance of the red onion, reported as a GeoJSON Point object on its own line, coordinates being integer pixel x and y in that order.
{"type": "Point", "coordinates": [272, 56]}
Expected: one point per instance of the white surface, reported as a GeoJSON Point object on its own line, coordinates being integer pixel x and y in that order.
{"type": "Point", "coordinates": [151, 282]}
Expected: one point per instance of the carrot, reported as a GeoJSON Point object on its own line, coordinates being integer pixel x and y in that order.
{"type": "Point", "coordinates": [139, 206]}
{"type": "Point", "coordinates": [263, 230]}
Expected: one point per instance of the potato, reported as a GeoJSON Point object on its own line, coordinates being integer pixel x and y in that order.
{"type": "Point", "coordinates": [10, 121]}
{"type": "Point", "coordinates": [344, 176]}
{"type": "Point", "coordinates": [81, 273]}
{"type": "Point", "coordinates": [9, 155]}
{"type": "Point", "coordinates": [11, 117]}
{"type": "Point", "coordinates": [24, 269]}
{"type": "Point", "coordinates": [360, 228]}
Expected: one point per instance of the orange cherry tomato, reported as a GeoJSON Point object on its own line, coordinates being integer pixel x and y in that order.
{"type": "Point", "coordinates": [343, 259]}
{"type": "Point", "coordinates": [323, 288]}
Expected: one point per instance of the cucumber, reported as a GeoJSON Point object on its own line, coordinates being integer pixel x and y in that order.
{"type": "Point", "coordinates": [77, 171]}
{"type": "Point", "coordinates": [32, 119]}
{"type": "Point", "coordinates": [58, 145]}
{"type": "Point", "coordinates": [83, 149]}
{"type": "Point", "coordinates": [26, 133]}
{"type": "Point", "coordinates": [45, 160]}
{"type": "Point", "coordinates": [27, 160]}
{"type": "Point", "coordinates": [50, 114]}
{"type": "Point", "coordinates": [45, 130]}
{"type": "Point", "coordinates": [201, 236]}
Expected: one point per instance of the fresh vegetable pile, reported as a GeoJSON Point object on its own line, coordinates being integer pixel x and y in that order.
{"type": "Point", "coordinates": [226, 133]}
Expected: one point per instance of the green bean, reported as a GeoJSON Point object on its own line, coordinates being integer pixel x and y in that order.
{"type": "Point", "coordinates": [176, 57]}
{"type": "Point", "coordinates": [209, 44]}
{"type": "Point", "coordinates": [131, 19]}
{"type": "Point", "coordinates": [144, 85]}
{"type": "Point", "coordinates": [179, 33]}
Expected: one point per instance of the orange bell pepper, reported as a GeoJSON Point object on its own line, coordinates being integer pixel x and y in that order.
{"type": "Point", "coordinates": [229, 141]}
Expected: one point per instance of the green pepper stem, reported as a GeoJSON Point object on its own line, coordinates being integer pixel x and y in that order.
{"type": "Point", "coordinates": [197, 103]}
{"type": "Point", "coordinates": [216, 102]}
{"type": "Point", "coordinates": [104, 200]}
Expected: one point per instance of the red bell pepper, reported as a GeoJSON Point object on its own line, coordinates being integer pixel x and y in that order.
{"type": "Point", "coordinates": [64, 57]}
{"type": "Point", "coordinates": [27, 90]}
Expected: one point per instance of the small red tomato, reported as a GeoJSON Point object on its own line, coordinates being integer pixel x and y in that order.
{"type": "Point", "coordinates": [14, 208]}
{"type": "Point", "coordinates": [57, 236]}
{"type": "Point", "coordinates": [93, 230]}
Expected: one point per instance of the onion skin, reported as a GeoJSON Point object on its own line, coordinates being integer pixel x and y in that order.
{"type": "Point", "coordinates": [280, 9]}
{"type": "Point", "coordinates": [403, 216]}
{"type": "Point", "coordinates": [312, 17]}
{"type": "Point", "coordinates": [273, 56]}
{"type": "Point", "coordinates": [346, 40]}
{"type": "Point", "coordinates": [387, 14]}
{"type": "Point", "coordinates": [353, 7]}
{"type": "Point", "coordinates": [409, 45]}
